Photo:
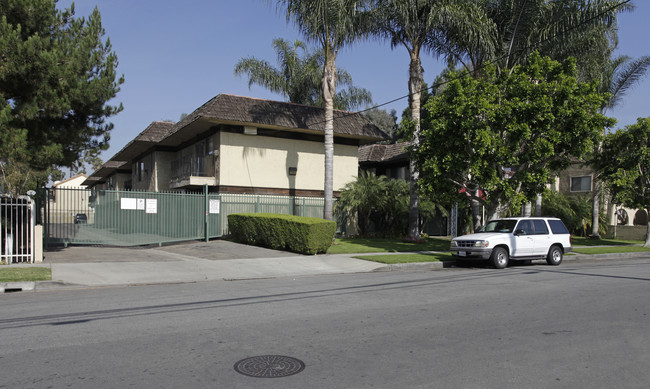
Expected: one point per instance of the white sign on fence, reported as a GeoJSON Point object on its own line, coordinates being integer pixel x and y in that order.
{"type": "Point", "coordinates": [152, 206]}
{"type": "Point", "coordinates": [214, 206]}
{"type": "Point", "coordinates": [128, 203]}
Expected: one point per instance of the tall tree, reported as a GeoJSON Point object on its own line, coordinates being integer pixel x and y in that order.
{"type": "Point", "coordinates": [625, 167]}
{"type": "Point", "coordinates": [333, 24]}
{"type": "Point", "coordinates": [299, 75]}
{"type": "Point", "coordinates": [505, 32]}
{"type": "Point", "coordinates": [508, 134]}
{"type": "Point", "coordinates": [410, 23]}
{"type": "Point", "coordinates": [57, 74]}
{"type": "Point", "coordinates": [617, 77]}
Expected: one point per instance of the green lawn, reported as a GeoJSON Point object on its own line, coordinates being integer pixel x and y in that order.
{"type": "Point", "coordinates": [375, 245]}
{"type": "Point", "coordinates": [610, 250]}
{"type": "Point", "coordinates": [407, 258]}
{"type": "Point", "coordinates": [18, 274]}
{"type": "Point", "coordinates": [581, 241]}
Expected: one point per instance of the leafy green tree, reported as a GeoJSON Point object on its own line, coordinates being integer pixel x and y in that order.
{"type": "Point", "coordinates": [617, 77]}
{"type": "Point", "coordinates": [299, 75]}
{"type": "Point", "coordinates": [57, 74]}
{"type": "Point", "coordinates": [386, 121]}
{"type": "Point", "coordinates": [504, 33]}
{"type": "Point", "coordinates": [624, 166]}
{"type": "Point", "coordinates": [333, 24]}
{"type": "Point", "coordinates": [500, 139]}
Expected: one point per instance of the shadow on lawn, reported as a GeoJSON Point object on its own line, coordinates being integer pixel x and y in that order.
{"type": "Point", "coordinates": [389, 245]}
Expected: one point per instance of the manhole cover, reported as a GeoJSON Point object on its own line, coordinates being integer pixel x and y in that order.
{"type": "Point", "coordinates": [269, 366]}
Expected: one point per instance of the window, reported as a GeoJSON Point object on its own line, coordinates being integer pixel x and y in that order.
{"type": "Point", "coordinates": [527, 226]}
{"type": "Point", "coordinates": [558, 227]}
{"type": "Point", "coordinates": [140, 170]}
{"type": "Point", "coordinates": [581, 184]}
{"type": "Point", "coordinates": [540, 227]}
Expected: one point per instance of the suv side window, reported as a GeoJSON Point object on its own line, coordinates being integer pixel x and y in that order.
{"type": "Point", "coordinates": [558, 227]}
{"type": "Point", "coordinates": [540, 227]}
{"type": "Point", "coordinates": [527, 226]}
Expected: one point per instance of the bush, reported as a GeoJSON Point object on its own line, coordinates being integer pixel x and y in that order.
{"type": "Point", "coordinates": [305, 235]}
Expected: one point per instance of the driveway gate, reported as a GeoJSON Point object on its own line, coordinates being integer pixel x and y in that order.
{"type": "Point", "coordinates": [17, 222]}
{"type": "Point", "coordinates": [130, 218]}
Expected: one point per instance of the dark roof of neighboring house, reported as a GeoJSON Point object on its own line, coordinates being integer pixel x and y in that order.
{"type": "Point", "coordinates": [383, 153]}
{"type": "Point", "coordinates": [154, 133]}
{"type": "Point", "coordinates": [239, 110]}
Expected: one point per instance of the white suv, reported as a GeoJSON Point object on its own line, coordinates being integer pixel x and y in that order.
{"type": "Point", "coordinates": [520, 238]}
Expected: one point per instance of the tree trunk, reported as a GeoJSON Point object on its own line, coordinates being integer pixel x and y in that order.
{"type": "Point", "coordinates": [527, 209]}
{"type": "Point", "coordinates": [538, 206]}
{"type": "Point", "coordinates": [329, 90]}
{"type": "Point", "coordinates": [493, 212]}
{"type": "Point", "coordinates": [476, 214]}
{"type": "Point", "coordinates": [595, 210]}
{"type": "Point", "coordinates": [415, 88]}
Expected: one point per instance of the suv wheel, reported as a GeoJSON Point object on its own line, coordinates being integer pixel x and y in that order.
{"type": "Point", "coordinates": [499, 258]}
{"type": "Point", "coordinates": [554, 256]}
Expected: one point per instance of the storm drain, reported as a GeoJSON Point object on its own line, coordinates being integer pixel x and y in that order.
{"type": "Point", "coordinates": [269, 366]}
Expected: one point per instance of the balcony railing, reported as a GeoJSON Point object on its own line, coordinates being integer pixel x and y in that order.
{"type": "Point", "coordinates": [193, 166]}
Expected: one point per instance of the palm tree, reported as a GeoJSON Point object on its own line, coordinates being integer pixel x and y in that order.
{"type": "Point", "coordinates": [298, 76]}
{"type": "Point", "coordinates": [412, 24]}
{"type": "Point", "coordinates": [506, 32]}
{"type": "Point", "coordinates": [333, 24]}
{"type": "Point", "coordinates": [618, 76]}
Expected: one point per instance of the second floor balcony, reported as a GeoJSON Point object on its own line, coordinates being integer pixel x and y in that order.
{"type": "Point", "coordinates": [193, 170]}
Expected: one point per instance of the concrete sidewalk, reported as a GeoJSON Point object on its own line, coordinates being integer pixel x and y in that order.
{"type": "Point", "coordinates": [84, 266]}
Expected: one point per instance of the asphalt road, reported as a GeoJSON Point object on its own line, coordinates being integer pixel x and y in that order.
{"type": "Point", "coordinates": [573, 326]}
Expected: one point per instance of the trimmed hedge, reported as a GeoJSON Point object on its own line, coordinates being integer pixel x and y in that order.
{"type": "Point", "coordinates": [305, 235]}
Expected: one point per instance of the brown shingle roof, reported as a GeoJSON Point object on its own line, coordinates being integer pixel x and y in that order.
{"type": "Point", "coordinates": [154, 133]}
{"type": "Point", "coordinates": [275, 114]}
{"type": "Point", "coordinates": [383, 153]}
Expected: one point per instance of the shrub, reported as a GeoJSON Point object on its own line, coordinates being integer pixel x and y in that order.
{"type": "Point", "coordinates": [305, 235]}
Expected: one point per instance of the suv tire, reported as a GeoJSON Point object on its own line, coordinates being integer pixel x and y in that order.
{"type": "Point", "coordinates": [554, 256]}
{"type": "Point", "coordinates": [499, 258]}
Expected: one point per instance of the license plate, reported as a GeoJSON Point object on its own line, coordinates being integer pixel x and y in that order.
{"type": "Point", "coordinates": [462, 253]}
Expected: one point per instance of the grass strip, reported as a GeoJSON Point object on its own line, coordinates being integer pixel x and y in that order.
{"type": "Point", "coordinates": [407, 258]}
{"type": "Point", "coordinates": [377, 245]}
{"type": "Point", "coordinates": [581, 241]}
{"type": "Point", "coordinates": [19, 274]}
{"type": "Point", "coordinates": [610, 250]}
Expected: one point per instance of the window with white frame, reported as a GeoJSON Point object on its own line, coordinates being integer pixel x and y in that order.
{"type": "Point", "coordinates": [581, 184]}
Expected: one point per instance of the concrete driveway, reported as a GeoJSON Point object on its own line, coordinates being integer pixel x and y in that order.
{"type": "Point", "coordinates": [213, 250]}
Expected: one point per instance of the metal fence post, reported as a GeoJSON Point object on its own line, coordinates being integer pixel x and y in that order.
{"type": "Point", "coordinates": [206, 205]}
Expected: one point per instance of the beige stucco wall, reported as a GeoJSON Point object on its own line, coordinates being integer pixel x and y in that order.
{"type": "Point", "coordinates": [575, 170]}
{"type": "Point", "coordinates": [264, 162]}
{"type": "Point", "coordinates": [163, 170]}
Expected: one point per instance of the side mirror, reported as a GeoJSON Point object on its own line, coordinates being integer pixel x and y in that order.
{"type": "Point", "coordinates": [520, 232]}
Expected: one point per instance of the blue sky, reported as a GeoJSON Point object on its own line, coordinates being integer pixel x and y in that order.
{"type": "Point", "coordinates": [176, 55]}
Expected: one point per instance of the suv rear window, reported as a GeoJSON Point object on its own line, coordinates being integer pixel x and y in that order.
{"type": "Point", "coordinates": [558, 227]}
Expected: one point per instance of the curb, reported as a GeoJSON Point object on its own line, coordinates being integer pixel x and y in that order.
{"type": "Point", "coordinates": [10, 287]}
